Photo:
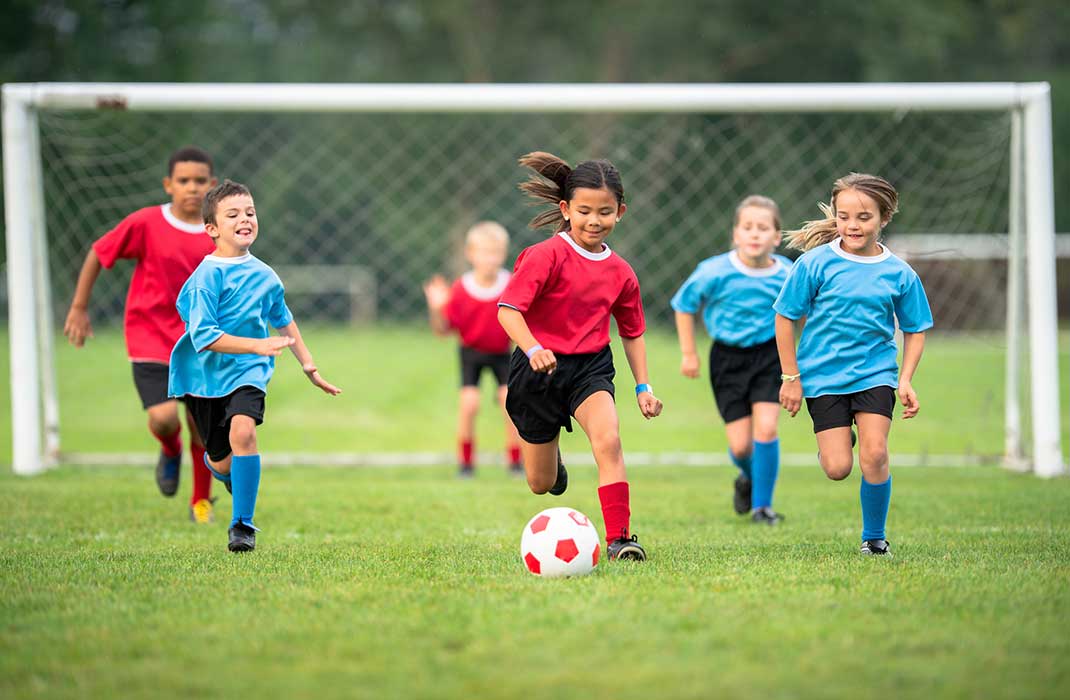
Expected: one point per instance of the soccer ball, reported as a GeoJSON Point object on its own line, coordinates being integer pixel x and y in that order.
{"type": "Point", "coordinates": [560, 542]}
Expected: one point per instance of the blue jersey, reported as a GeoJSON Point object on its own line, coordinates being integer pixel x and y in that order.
{"type": "Point", "coordinates": [237, 296]}
{"type": "Point", "coordinates": [737, 300]}
{"type": "Point", "coordinates": [851, 304]}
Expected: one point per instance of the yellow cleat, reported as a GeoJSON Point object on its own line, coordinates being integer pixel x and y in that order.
{"type": "Point", "coordinates": [202, 512]}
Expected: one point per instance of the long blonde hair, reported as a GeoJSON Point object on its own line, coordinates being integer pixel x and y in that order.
{"type": "Point", "coordinates": [821, 231]}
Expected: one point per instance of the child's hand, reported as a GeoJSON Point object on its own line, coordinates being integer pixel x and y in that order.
{"type": "Point", "coordinates": [791, 394]}
{"type": "Point", "coordinates": [649, 405]}
{"type": "Point", "coordinates": [77, 327]}
{"type": "Point", "coordinates": [274, 345]}
{"type": "Point", "coordinates": [689, 365]}
{"type": "Point", "coordinates": [909, 399]}
{"type": "Point", "coordinates": [543, 361]}
{"type": "Point", "coordinates": [314, 376]}
{"type": "Point", "coordinates": [437, 292]}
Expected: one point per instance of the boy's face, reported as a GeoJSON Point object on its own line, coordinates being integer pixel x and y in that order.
{"type": "Point", "coordinates": [187, 184]}
{"type": "Point", "coordinates": [235, 226]}
{"type": "Point", "coordinates": [485, 255]}
{"type": "Point", "coordinates": [755, 233]}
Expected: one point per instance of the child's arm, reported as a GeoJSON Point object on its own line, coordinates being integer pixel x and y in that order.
{"type": "Point", "coordinates": [438, 295]}
{"type": "Point", "coordinates": [541, 359]}
{"type": "Point", "coordinates": [791, 391]}
{"type": "Point", "coordinates": [238, 345]}
{"type": "Point", "coordinates": [301, 352]}
{"type": "Point", "coordinates": [913, 345]}
{"type": "Point", "coordinates": [685, 331]}
{"type": "Point", "coordinates": [635, 351]}
{"type": "Point", "coordinates": [77, 326]}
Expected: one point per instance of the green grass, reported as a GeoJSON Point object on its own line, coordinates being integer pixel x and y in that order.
{"type": "Point", "coordinates": [408, 583]}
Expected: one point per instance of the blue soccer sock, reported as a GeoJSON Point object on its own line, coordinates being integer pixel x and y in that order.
{"type": "Point", "coordinates": [875, 499]}
{"type": "Point", "coordinates": [766, 468]}
{"type": "Point", "coordinates": [743, 463]}
{"type": "Point", "coordinates": [225, 478]}
{"type": "Point", "coordinates": [245, 481]}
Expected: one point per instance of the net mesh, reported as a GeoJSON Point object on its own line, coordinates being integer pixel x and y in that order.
{"type": "Point", "coordinates": [384, 200]}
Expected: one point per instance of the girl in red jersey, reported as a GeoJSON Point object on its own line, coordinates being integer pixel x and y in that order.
{"type": "Point", "coordinates": [470, 307]}
{"type": "Point", "coordinates": [556, 308]}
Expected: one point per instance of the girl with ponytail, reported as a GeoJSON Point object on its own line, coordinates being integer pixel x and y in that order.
{"type": "Point", "coordinates": [556, 309]}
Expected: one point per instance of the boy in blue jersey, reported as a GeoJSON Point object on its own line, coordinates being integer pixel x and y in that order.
{"type": "Point", "coordinates": [736, 291]}
{"type": "Point", "coordinates": [851, 290]}
{"type": "Point", "coordinates": [222, 363]}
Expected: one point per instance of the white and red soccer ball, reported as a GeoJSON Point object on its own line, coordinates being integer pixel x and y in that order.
{"type": "Point", "coordinates": [560, 542]}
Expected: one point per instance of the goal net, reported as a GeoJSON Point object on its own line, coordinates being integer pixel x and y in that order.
{"type": "Point", "coordinates": [363, 192]}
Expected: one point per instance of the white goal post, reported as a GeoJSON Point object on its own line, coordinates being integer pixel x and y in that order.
{"type": "Point", "coordinates": [1031, 272]}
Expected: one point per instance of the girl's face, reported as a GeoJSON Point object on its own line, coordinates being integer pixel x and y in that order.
{"type": "Point", "coordinates": [235, 226]}
{"type": "Point", "coordinates": [591, 214]}
{"type": "Point", "coordinates": [858, 222]}
{"type": "Point", "coordinates": [755, 234]}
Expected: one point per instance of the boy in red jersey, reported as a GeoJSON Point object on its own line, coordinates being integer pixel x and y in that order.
{"type": "Point", "coordinates": [556, 309]}
{"type": "Point", "coordinates": [168, 241]}
{"type": "Point", "coordinates": [470, 307]}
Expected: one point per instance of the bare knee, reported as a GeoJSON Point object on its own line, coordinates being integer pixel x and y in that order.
{"type": "Point", "coordinates": [741, 450]}
{"type": "Point", "coordinates": [837, 469]}
{"type": "Point", "coordinates": [163, 420]}
{"type": "Point", "coordinates": [606, 442]}
{"type": "Point", "coordinates": [873, 456]}
{"type": "Point", "coordinates": [765, 433]}
{"type": "Point", "coordinates": [540, 484]}
{"type": "Point", "coordinates": [243, 436]}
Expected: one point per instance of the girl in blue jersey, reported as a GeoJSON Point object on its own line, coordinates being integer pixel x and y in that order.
{"type": "Point", "coordinates": [222, 364]}
{"type": "Point", "coordinates": [735, 292]}
{"type": "Point", "coordinates": [852, 291]}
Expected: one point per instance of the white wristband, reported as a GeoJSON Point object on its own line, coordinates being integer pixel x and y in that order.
{"type": "Point", "coordinates": [533, 349]}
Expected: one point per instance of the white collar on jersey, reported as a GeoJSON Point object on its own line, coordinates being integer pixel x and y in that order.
{"type": "Point", "coordinates": [606, 252]}
{"type": "Point", "coordinates": [733, 257]}
{"type": "Point", "coordinates": [229, 261]}
{"type": "Point", "coordinates": [491, 293]}
{"type": "Point", "coordinates": [867, 259]}
{"type": "Point", "coordinates": [178, 223]}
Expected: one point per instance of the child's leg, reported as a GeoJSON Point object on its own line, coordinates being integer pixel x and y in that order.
{"type": "Point", "coordinates": [540, 464]}
{"type": "Point", "coordinates": [468, 409]}
{"type": "Point", "coordinates": [165, 427]}
{"type": "Point", "coordinates": [876, 488]}
{"type": "Point", "coordinates": [834, 449]}
{"type": "Point", "coordinates": [512, 440]}
{"type": "Point", "coordinates": [740, 444]}
{"type": "Point", "coordinates": [202, 478]}
{"type": "Point", "coordinates": [244, 469]}
{"type": "Point", "coordinates": [597, 415]}
{"type": "Point", "coordinates": [766, 458]}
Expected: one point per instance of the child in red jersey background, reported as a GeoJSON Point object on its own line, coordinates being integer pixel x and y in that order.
{"type": "Point", "coordinates": [168, 241]}
{"type": "Point", "coordinates": [470, 307]}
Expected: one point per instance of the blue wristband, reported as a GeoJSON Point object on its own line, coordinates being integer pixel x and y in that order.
{"type": "Point", "coordinates": [534, 349]}
{"type": "Point", "coordinates": [640, 388]}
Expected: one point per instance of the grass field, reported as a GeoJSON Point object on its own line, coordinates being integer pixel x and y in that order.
{"type": "Point", "coordinates": [408, 583]}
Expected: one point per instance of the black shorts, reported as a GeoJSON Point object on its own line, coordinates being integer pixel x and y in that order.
{"type": "Point", "coordinates": [212, 417]}
{"type": "Point", "coordinates": [473, 362]}
{"type": "Point", "coordinates": [541, 404]}
{"type": "Point", "coordinates": [741, 377]}
{"type": "Point", "coordinates": [838, 410]}
{"type": "Point", "coordinates": [150, 378]}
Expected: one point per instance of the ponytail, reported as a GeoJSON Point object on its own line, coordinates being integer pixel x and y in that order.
{"type": "Point", "coordinates": [821, 231]}
{"type": "Point", "coordinates": [814, 233]}
{"type": "Point", "coordinates": [547, 185]}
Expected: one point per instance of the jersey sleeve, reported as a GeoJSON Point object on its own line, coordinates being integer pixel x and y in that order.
{"type": "Point", "coordinates": [127, 240]}
{"type": "Point", "coordinates": [529, 276]}
{"type": "Point", "coordinates": [694, 292]}
{"type": "Point", "coordinates": [279, 315]}
{"type": "Point", "coordinates": [452, 310]}
{"type": "Point", "coordinates": [798, 291]}
{"type": "Point", "coordinates": [912, 307]}
{"type": "Point", "coordinates": [628, 310]}
{"type": "Point", "coordinates": [202, 306]}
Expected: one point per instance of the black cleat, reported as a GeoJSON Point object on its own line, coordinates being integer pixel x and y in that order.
{"type": "Point", "coordinates": [876, 547]}
{"type": "Point", "coordinates": [466, 471]}
{"type": "Point", "coordinates": [242, 538]}
{"type": "Point", "coordinates": [766, 516]}
{"type": "Point", "coordinates": [167, 471]}
{"type": "Point", "coordinates": [741, 499]}
{"type": "Point", "coordinates": [561, 484]}
{"type": "Point", "coordinates": [626, 549]}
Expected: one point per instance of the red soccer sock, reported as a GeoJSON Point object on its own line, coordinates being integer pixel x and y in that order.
{"type": "Point", "coordinates": [467, 446]}
{"type": "Point", "coordinates": [615, 509]}
{"type": "Point", "coordinates": [202, 478]}
{"type": "Point", "coordinates": [172, 444]}
{"type": "Point", "coordinates": [514, 454]}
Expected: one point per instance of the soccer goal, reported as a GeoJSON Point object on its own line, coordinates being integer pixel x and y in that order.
{"type": "Point", "coordinates": [375, 185]}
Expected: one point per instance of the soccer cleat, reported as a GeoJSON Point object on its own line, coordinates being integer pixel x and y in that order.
{"type": "Point", "coordinates": [766, 516]}
{"type": "Point", "coordinates": [516, 469]}
{"type": "Point", "coordinates": [741, 499]}
{"type": "Point", "coordinates": [626, 548]}
{"type": "Point", "coordinates": [167, 471]}
{"type": "Point", "coordinates": [562, 478]}
{"type": "Point", "coordinates": [202, 512]}
{"type": "Point", "coordinates": [242, 538]}
{"type": "Point", "coordinates": [466, 471]}
{"type": "Point", "coordinates": [876, 547]}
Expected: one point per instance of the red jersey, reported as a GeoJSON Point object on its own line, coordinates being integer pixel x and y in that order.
{"type": "Point", "coordinates": [567, 295]}
{"type": "Point", "coordinates": [167, 251]}
{"type": "Point", "coordinates": [473, 311]}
